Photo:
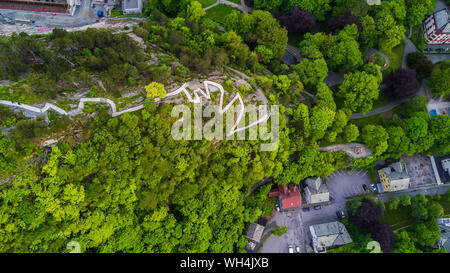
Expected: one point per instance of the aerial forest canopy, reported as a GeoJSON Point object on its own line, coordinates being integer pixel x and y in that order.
{"type": "Point", "coordinates": [123, 184]}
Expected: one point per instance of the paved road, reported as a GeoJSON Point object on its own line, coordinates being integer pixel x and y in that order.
{"type": "Point", "coordinates": [379, 110]}
{"type": "Point", "coordinates": [409, 48]}
{"type": "Point", "coordinates": [428, 190]}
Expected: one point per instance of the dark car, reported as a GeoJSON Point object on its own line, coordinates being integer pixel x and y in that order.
{"type": "Point", "coordinates": [364, 187]}
{"type": "Point", "coordinates": [305, 209]}
{"type": "Point", "coordinates": [317, 207]}
{"type": "Point", "coordinates": [340, 214]}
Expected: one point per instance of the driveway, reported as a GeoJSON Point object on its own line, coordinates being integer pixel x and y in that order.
{"type": "Point", "coordinates": [435, 58]}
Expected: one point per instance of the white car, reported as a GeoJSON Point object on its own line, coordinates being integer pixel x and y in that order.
{"type": "Point", "coordinates": [277, 207]}
{"type": "Point", "coordinates": [291, 249]}
{"type": "Point", "coordinates": [374, 188]}
{"type": "Point", "coordinates": [297, 248]}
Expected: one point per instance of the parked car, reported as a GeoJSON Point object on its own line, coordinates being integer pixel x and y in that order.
{"type": "Point", "coordinates": [277, 207]}
{"type": "Point", "coordinates": [317, 207]}
{"type": "Point", "coordinates": [364, 187]}
{"type": "Point", "coordinates": [439, 49]}
{"type": "Point", "coordinates": [374, 188]}
{"type": "Point", "coordinates": [297, 248]}
{"type": "Point", "coordinates": [305, 209]}
{"type": "Point", "coordinates": [291, 249]}
{"type": "Point", "coordinates": [427, 49]}
{"type": "Point", "coordinates": [340, 214]}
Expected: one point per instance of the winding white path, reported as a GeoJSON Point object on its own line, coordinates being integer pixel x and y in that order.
{"type": "Point", "coordinates": [114, 113]}
{"type": "Point", "coordinates": [207, 95]}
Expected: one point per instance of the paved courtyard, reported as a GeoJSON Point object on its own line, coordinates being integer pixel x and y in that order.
{"type": "Point", "coordinates": [294, 236]}
{"type": "Point", "coordinates": [420, 169]}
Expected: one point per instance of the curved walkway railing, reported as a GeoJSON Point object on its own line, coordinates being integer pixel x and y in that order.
{"type": "Point", "coordinates": [196, 98]}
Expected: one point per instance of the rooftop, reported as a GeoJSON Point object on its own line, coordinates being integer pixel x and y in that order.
{"type": "Point", "coordinates": [396, 172]}
{"type": "Point", "coordinates": [441, 20]}
{"type": "Point", "coordinates": [254, 232]}
{"type": "Point", "coordinates": [290, 196]}
{"type": "Point", "coordinates": [316, 185]}
{"type": "Point", "coordinates": [329, 235]}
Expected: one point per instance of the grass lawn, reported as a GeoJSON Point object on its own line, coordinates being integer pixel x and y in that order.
{"type": "Point", "coordinates": [401, 217]}
{"type": "Point", "coordinates": [206, 3]}
{"type": "Point", "coordinates": [446, 205]}
{"type": "Point", "coordinates": [295, 39]}
{"type": "Point", "coordinates": [383, 99]}
{"type": "Point", "coordinates": [219, 12]}
{"type": "Point", "coordinates": [375, 119]}
{"type": "Point", "coordinates": [395, 58]}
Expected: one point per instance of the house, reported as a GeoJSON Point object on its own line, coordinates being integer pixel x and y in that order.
{"type": "Point", "coordinates": [436, 28]}
{"type": "Point", "coordinates": [444, 241]}
{"type": "Point", "coordinates": [394, 177]}
{"type": "Point", "coordinates": [329, 235]}
{"type": "Point", "coordinates": [132, 6]}
{"type": "Point", "coordinates": [288, 196]}
{"type": "Point", "coordinates": [254, 235]}
{"type": "Point", "coordinates": [316, 191]}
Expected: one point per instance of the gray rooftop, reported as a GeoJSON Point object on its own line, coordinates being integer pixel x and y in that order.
{"type": "Point", "coordinates": [316, 185]}
{"type": "Point", "coordinates": [441, 20]}
{"type": "Point", "coordinates": [396, 172]}
{"type": "Point", "coordinates": [333, 228]}
{"type": "Point", "coordinates": [255, 232]}
{"type": "Point", "coordinates": [131, 4]}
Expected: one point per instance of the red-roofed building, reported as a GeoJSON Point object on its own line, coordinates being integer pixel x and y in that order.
{"type": "Point", "coordinates": [288, 195]}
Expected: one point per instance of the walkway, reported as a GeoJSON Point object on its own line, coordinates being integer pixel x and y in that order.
{"type": "Point", "coordinates": [349, 149]}
{"type": "Point", "coordinates": [379, 110]}
{"type": "Point", "coordinates": [194, 99]}
{"type": "Point", "coordinates": [242, 7]}
{"type": "Point", "coordinates": [409, 48]}
{"type": "Point", "coordinates": [371, 51]}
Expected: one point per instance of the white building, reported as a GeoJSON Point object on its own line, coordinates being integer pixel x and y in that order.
{"type": "Point", "coordinates": [132, 6]}
{"type": "Point", "coordinates": [316, 191]}
{"type": "Point", "coordinates": [436, 28]}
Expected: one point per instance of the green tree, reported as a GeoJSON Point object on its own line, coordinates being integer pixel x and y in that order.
{"type": "Point", "coordinates": [404, 244]}
{"type": "Point", "coordinates": [195, 11]}
{"type": "Point", "coordinates": [359, 90]}
{"type": "Point", "coordinates": [279, 231]}
{"type": "Point", "coordinates": [375, 136]}
{"type": "Point", "coordinates": [393, 203]}
{"type": "Point", "coordinates": [155, 89]}
{"type": "Point", "coordinates": [351, 132]}
{"type": "Point", "coordinates": [312, 72]}
{"type": "Point", "coordinates": [427, 234]}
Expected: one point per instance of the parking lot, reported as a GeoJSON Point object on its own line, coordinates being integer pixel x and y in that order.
{"type": "Point", "coordinates": [344, 184]}
{"type": "Point", "coordinates": [341, 184]}
{"type": "Point", "coordinates": [420, 170]}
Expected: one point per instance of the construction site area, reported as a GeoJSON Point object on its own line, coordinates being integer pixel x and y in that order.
{"type": "Point", "coordinates": [55, 6]}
